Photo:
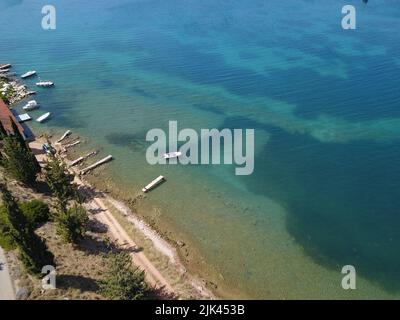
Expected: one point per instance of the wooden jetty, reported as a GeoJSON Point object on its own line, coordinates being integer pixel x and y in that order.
{"type": "Point", "coordinates": [95, 165]}
{"type": "Point", "coordinates": [154, 183]}
{"type": "Point", "coordinates": [71, 144]}
{"type": "Point", "coordinates": [80, 159]}
{"type": "Point", "coordinates": [66, 134]}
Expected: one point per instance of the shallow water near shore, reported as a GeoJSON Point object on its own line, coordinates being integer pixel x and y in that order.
{"type": "Point", "coordinates": [324, 104]}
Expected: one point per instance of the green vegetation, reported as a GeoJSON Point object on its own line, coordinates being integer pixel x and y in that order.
{"type": "Point", "coordinates": [32, 249]}
{"type": "Point", "coordinates": [36, 212]}
{"type": "Point", "coordinates": [72, 224]}
{"type": "Point", "coordinates": [60, 182]}
{"type": "Point", "coordinates": [123, 281]}
{"type": "Point", "coordinates": [17, 158]}
{"type": "Point", "coordinates": [6, 239]}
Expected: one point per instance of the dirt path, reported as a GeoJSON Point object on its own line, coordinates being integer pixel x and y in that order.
{"type": "Point", "coordinates": [6, 287]}
{"type": "Point", "coordinates": [119, 235]}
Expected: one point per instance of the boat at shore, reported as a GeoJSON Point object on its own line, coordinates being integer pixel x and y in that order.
{"type": "Point", "coordinates": [32, 104]}
{"type": "Point", "coordinates": [23, 117]}
{"type": "Point", "coordinates": [28, 74]}
{"type": "Point", "coordinates": [171, 155]}
{"type": "Point", "coordinates": [43, 117]}
{"type": "Point", "coordinates": [5, 66]}
{"type": "Point", "coordinates": [45, 84]}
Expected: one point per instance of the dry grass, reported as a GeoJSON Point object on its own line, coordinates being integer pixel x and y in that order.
{"type": "Point", "coordinates": [78, 267]}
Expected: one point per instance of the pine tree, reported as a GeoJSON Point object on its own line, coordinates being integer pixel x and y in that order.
{"type": "Point", "coordinates": [19, 162]}
{"type": "Point", "coordinates": [17, 158]}
{"type": "Point", "coordinates": [17, 134]}
{"type": "Point", "coordinates": [122, 280]}
{"type": "Point", "coordinates": [60, 182]}
{"type": "Point", "coordinates": [72, 224]}
{"type": "Point", "coordinates": [33, 250]}
{"type": "Point", "coordinates": [33, 161]}
{"type": "Point", "coordinates": [3, 132]}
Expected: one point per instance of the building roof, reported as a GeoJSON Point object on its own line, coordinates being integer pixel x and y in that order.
{"type": "Point", "coordinates": [6, 116]}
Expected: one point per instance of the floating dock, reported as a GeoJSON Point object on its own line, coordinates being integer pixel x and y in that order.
{"type": "Point", "coordinates": [154, 183]}
{"type": "Point", "coordinates": [98, 163]}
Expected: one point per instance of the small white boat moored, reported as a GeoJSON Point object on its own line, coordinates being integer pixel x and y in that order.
{"type": "Point", "coordinates": [5, 66]}
{"type": "Point", "coordinates": [23, 117]}
{"type": "Point", "coordinates": [43, 117]}
{"type": "Point", "coordinates": [28, 74]}
{"type": "Point", "coordinates": [45, 84]}
{"type": "Point", "coordinates": [172, 155]}
{"type": "Point", "coordinates": [31, 105]}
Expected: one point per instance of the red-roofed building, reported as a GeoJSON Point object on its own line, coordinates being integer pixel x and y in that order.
{"type": "Point", "coordinates": [6, 116]}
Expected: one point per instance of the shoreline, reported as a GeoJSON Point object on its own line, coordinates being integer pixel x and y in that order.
{"type": "Point", "coordinates": [163, 247]}
{"type": "Point", "coordinates": [191, 258]}
{"type": "Point", "coordinates": [184, 255]}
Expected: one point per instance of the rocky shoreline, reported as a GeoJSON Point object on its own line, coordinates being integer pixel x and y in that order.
{"type": "Point", "coordinates": [11, 90]}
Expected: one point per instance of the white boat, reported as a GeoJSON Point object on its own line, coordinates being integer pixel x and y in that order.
{"type": "Point", "coordinates": [172, 155]}
{"type": "Point", "coordinates": [31, 92]}
{"type": "Point", "coordinates": [43, 117]}
{"type": "Point", "coordinates": [23, 117]}
{"type": "Point", "coordinates": [4, 70]}
{"type": "Point", "coordinates": [5, 66]}
{"type": "Point", "coordinates": [31, 105]}
{"type": "Point", "coordinates": [45, 84]}
{"type": "Point", "coordinates": [28, 74]}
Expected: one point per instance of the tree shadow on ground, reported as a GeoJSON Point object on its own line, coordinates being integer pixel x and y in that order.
{"type": "Point", "coordinates": [161, 294]}
{"type": "Point", "coordinates": [95, 210]}
{"type": "Point", "coordinates": [89, 192]}
{"type": "Point", "coordinates": [42, 187]}
{"type": "Point", "coordinates": [96, 226]}
{"type": "Point", "coordinates": [95, 246]}
{"type": "Point", "coordinates": [76, 282]}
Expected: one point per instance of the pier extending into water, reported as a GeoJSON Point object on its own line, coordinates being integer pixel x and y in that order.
{"type": "Point", "coordinates": [98, 163]}
{"type": "Point", "coordinates": [154, 183]}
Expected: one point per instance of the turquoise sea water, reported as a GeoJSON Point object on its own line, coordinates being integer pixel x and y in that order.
{"type": "Point", "coordinates": [324, 103]}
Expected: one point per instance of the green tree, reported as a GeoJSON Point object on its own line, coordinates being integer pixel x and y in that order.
{"type": "Point", "coordinates": [3, 132]}
{"type": "Point", "coordinates": [122, 280]}
{"type": "Point", "coordinates": [33, 250]}
{"type": "Point", "coordinates": [17, 158]}
{"type": "Point", "coordinates": [36, 212]}
{"type": "Point", "coordinates": [72, 224]}
{"type": "Point", "coordinates": [60, 182]}
{"type": "Point", "coordinates": [6, 240]}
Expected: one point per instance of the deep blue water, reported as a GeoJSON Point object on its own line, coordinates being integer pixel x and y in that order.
{"type": "Point", "coordinates": [324, 102]}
